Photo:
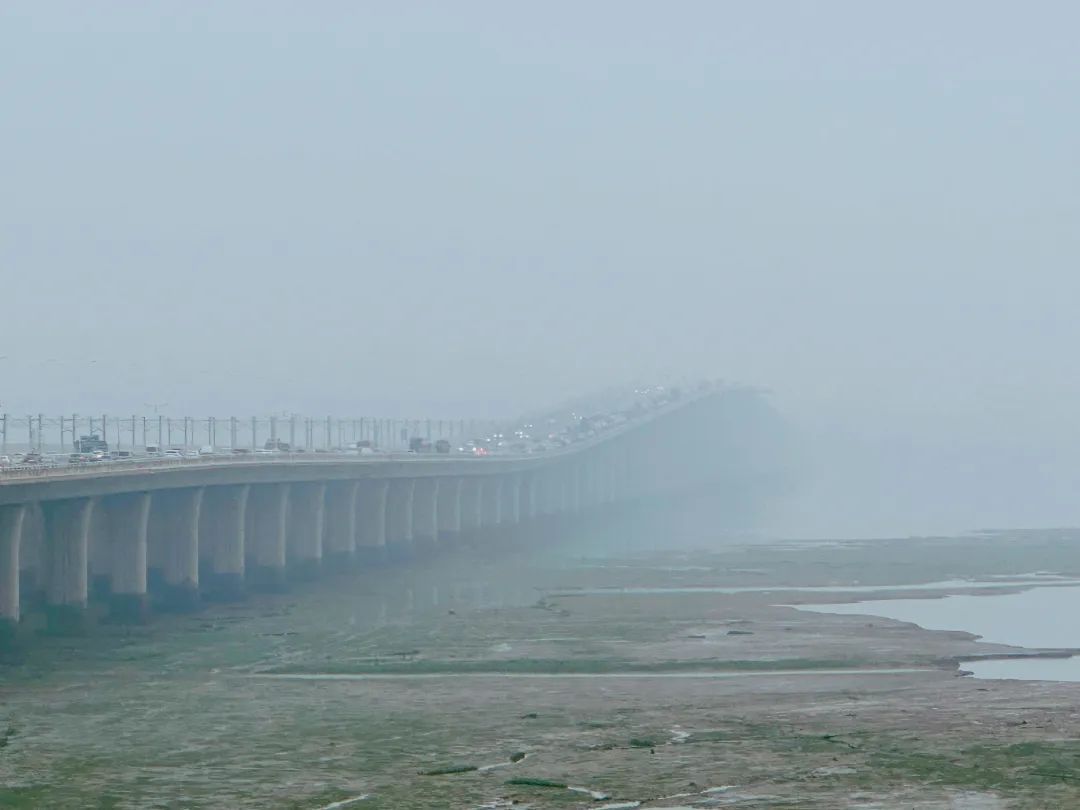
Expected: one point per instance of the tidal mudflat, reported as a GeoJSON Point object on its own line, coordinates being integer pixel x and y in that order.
{"type": "Point", "coordinates": [501, 678]}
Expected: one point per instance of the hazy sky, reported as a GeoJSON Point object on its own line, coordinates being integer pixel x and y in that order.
{"type": "Point", "coordinates": [459, 208]}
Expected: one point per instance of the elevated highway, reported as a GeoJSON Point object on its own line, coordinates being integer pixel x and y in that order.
{"type": "Point", "coordinates": [169, 533]}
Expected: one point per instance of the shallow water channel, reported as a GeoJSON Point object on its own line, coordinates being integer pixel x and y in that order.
{"type": "Point", "coordinates": [1029, 618]}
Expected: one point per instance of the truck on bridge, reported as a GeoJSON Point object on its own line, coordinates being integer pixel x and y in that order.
{"type": "Point", "coordinates": [90, 444]}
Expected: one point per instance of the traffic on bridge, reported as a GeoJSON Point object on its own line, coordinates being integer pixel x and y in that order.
{"type": "Point", "coordinates": [116, 536]}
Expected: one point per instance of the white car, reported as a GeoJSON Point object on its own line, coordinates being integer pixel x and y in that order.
{"type": "Point", "coordinates": [173, 453]}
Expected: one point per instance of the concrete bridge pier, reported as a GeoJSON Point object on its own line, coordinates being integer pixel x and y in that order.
{"type": "Point", "coordinates": [471, 508]}
{"type": "Point", "coordinates": [621, 470]}
{"type": "Point", "coordinates": [264, 556]}
{"type": "Point", "coordinates": [339, 537]}
{"type": "Point", "coordinates": [594, 483]}
{"type": "Point", "coordinates": [399, 519]}
{"type": "Point", "coordinates": [576, 482]}
{"type": "Point", "coordinates": [530, 526]}
{"type": "Point", "coordinates": [544, 497]}
{"type": "Point", "coordinates": [607, 478]}
{"type": "Point", "coordinates": [448, 511]}
{"type": "Point", "coordinates": [11, 524]}
{"type": "Point", "coordinates": [66, 535]}
{"type": "Point", "coordinates": [125, 519]}
{"type": "Point", "coordinates": [305, 537]}
{"type": "Point", "coordinates": [371, 506]}
{"type": "Point", "coordinates": [634, 474]}
{"type": "Point", "coordinates": [551, 494]}
{"type": "Point", "coordinates": [651, 467]}
{"type": "Point", "coordinates": [585, 487]}
{"type": "Point", "coordinates": [222, 540]}
{"type": "Point", "coordinates": [510, 503]}
{"type": "Point", "coordinates": [425, 529]}
{"type": "Point", "coordinates": [99, 552]}
{"type": "Point", "coordinates": [31, 559]}
{"type": "Point", "coordinates": [174, 526]}
{"type": "Point", "coordinates": [619, 473]}
{"type": "Point", "coordinates": [558, 501]}
{"type": "Point", "coordinates": [491, 507]}
{"type": "Point", "coordinates": [530, 495]}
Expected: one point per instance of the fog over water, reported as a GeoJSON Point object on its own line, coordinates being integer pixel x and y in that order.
{"type": "Point", "coordinates": [472, 208]}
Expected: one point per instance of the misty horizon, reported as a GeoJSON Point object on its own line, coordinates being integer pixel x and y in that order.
{"type": "Point", "coordinates": [408, 209]}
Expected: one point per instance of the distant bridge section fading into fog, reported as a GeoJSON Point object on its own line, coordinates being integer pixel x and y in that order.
{"type": "Point", "coordinates": [170, 533]}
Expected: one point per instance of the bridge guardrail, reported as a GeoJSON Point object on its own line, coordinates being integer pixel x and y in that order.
{"type": "Point", "coordinates": [17, 473]}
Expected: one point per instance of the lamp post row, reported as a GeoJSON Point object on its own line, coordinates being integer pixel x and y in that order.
{"type": "Point", "coordinates": [33, 432]}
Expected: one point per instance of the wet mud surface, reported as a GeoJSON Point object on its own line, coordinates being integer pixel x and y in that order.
{"type": "Point", "coordinates": [492, 679]}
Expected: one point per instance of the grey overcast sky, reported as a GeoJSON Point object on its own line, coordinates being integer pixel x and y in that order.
{"type": "Point", "coordinates": [475, 207]}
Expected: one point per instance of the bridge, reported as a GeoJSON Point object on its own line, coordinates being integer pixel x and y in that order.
{"type": "Point", "coordinates": [167, 534]}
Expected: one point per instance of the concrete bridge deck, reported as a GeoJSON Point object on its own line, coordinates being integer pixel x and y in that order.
{"type": "Point", "coordinates": [168, 533]}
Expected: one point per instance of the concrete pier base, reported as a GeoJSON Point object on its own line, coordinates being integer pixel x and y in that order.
{"type": "Point", "coordinates": [400, 552]}
{"type": "Point", "coordinates": [222, 541]}
{"type": "Point", "coordinates": [370, 556]}
{"type": "Point", "coordinates": [490, 510]}
{"type": "Point", "coordinates": [155, 579]}
{"type": "Point", "coordinates": [339, 562]}
{"type": "Point", "coordinates": [339, 522]}
{"type": "Point", "coordinates": [304, 570]}
{"type": "Point", "coordinates": [67, 525]}
{"type": "Point", "coordinates": [100, 588]}
{"type": "Point", "coordinates": [399, 519]}
{"type": "Point", "coordinates": [178, 597]}
{"type": "Point", "coordinates": [31, 589]}
{"type": "Point", "coordinates": [11, 523]}
{"type": "Point", "coordinates": [529, 498]}
{"type": "Point", "coordinates": [449, 539]}
{"type": "Point", "coordinates": [425, 516]}
{"type": "Point", "coordinates": [126, 520]}
{"type": "Point", "coordinates": [174, 517]}
{"type": "Point", "coordinates": [305, 531]}
{"type": "Point", "coordinates": [267, 579]}
{"type": "Point", "coordinates": [448, 511]}
{"type": "Point", "coordinates": [267, 524]}
{"type": "Point", "coordinates": [99, 552]}
{"type": "Point", "coordinates": [128, 608]}
{"type": "Point", "coordinates": [470, 511]}
{"type": "Point", "coordinates": [66, 620]}
{"type": "Point", "coordinates": [371, 505]}
{"type": "Point", "coordinates": [224, 586]}
{"type": "Point", "coordinates": [424, 545]}
{"type": "Point", "coordinates": [9, 634]}
{"type": "Point", "coordinates": [510, 505]}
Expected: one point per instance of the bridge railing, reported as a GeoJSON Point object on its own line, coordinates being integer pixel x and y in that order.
{"type": "Point", "coordinates": [92, 468]}
{"type": "Point", "coordinates": [22, 472]}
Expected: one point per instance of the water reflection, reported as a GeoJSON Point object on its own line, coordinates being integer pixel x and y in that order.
{"type": "Point", "coordinates": [1029, 618]}
{"type": "Point", "coordinates": [942, 585]}
{"type": "Point", "coordinates": [1026, 669]}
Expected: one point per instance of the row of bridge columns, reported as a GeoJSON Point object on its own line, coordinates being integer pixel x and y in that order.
{"type": "Point", "coordinates": [174, 548]}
